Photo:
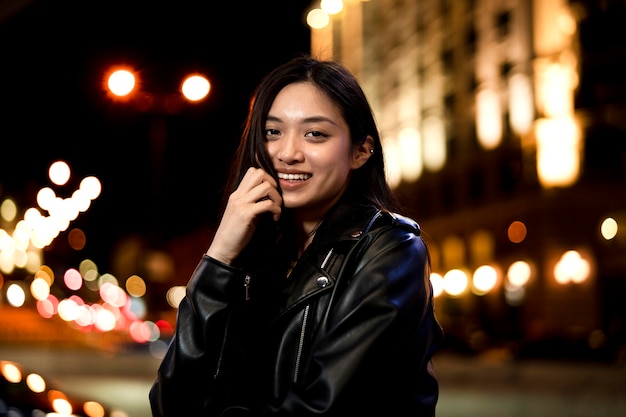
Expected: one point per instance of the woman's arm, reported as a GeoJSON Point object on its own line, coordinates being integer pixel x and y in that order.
{"type": "Point", "coordinates": [185, 380]}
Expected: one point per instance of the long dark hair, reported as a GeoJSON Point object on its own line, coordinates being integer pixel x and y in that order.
{"type": "Point", "coordinates": [369, 181]}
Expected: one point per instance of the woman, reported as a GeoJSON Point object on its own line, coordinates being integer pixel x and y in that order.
{"type": "Point", "coordinates": [313, 298]}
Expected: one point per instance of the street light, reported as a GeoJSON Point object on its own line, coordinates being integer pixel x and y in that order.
{"type": "Point", "coordinates": [123, 84]}
{"type": "Point", "coordinates": [195, 88]}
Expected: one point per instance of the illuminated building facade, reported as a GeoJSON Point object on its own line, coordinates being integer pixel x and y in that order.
{"type": "Point", "coordinates": [503, 124]}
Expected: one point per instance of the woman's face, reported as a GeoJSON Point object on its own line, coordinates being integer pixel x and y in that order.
{"type": "Point", "coordinates": [309, 144]}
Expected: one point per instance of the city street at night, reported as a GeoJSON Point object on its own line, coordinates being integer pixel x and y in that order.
{"type": "Point", "coordinates": [484, 386]}
{"type": "Point", "coordinates": [503, 126]}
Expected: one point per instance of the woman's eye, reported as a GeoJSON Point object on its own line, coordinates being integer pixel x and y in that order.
{"type": "Point", "coordinates": [271, 132]}
{"type": "Point", "coordinates": [315, 134]}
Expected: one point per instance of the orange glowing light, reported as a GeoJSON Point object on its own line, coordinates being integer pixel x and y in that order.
{"type": "Point", "coordinates": [77, 239]}
{"type": "Point", "coordinates": [121, 82]}
{"type": "Point", "coordinates": [517, 232]}
{"type": "Point", "coordinates": [196, 87]}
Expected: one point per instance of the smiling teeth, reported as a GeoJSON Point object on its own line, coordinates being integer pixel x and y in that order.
{"type": "Point", "coordinates": [294, 177]}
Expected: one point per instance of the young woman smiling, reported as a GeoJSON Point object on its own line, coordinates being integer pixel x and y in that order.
{"type": "Point", "coordinates": [313, 297]}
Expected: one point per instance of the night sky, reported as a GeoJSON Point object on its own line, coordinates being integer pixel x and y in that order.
{"type": "Point", "coordinates": [53, 57]}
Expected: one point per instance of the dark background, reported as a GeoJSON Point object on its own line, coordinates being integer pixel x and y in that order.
{"type": "Point", "coordinates": [53, 60]}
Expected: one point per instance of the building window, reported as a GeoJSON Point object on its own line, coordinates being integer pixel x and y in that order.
{"type": "Point", "coordinates": [503, 21]}
{"type": "Point", "coordinates": [447, 58]}
{"type": "Point", "coordinates": [470, 40]}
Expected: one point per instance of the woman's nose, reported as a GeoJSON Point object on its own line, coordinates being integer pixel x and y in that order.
{"type": "Point", "coordinates": [289, 150]}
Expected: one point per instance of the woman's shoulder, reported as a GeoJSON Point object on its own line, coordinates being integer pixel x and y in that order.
{"type": "Point", "coordinates": [358, 219]}
{"type": "Point", "coordinates": [385, 218]}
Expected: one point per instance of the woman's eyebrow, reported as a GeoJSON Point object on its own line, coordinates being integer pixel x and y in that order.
{"type": "Point", "coordinates": [311, 119]}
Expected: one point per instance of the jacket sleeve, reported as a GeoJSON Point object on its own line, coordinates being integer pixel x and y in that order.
{"type": "Point", "coordinates": [372, 354]}
{"type": "Point", "coordinates": [179, 389]}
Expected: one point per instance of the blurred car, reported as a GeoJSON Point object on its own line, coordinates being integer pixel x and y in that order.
{"type": "Point", "coordinates": [24, 393]}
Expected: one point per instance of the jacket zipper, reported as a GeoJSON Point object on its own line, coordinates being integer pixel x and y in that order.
{"type": "Point", "coordinates": [304, 325]}
{"type": "Point", "coordinates": [301, 342]}
{"type": "Point", "coordinates": [218, 367]}
{"type": "Point", "coordinates": [246, 285]}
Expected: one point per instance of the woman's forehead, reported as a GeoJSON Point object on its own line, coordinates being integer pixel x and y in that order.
{"type": "Point", "coordinates": [304, 100]}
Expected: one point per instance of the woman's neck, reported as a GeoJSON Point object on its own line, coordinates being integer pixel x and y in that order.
{"type": "Point", "coordinates": [304, 233]}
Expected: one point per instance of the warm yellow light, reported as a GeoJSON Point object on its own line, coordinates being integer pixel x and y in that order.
{"type": "Point", "coordinates": [410, 154]}
{"type": "Point", "coordinates": [488, 118]}
{"type": "Point", "coordinates": [45, 198]}
{"type": "Point", "coordinates": [94, 409]}
{"type": "Point", "coordinates": [196, 87]}
{"type": "Point", "coordinates": [45, 273]}
{"type": "Point", "coordinates": [105, 320]}
{"type": "Point", "coordinates": [434, 138]}
{"type": "Point", "coordinates": [121, 82]}
{"type": "Point", "coordinates": [68, 309]}
{"type": "Point", "coordinates": [571, 267]}
{"type": "Point", "coordinates": [455, 282]}
{"type": "Point", "coordinates": [557, 90]}
{"type": "Point", "coordinates": [8, 210]}
{"type": "Point", "coordinates": [331, 6]}
{"type": "Point", "coordinates": [393, 162]}
{"type": "Point", "coordinates": [519, 273]}
{"type": "Point", "coordinates": [521, 111]}
{"type": "Point", "coordinates": [36, 383]}
{"type": "Point", "coordinates": [175, 295]}
{"type": "Point", "coordinates": [62, 406]}
{"type": "Point", "coordinates": [566, 22]}
{"type": "Point", "coordinates": [136, 286]}
{"type": "Point", "coordinates": [317, 19]}
{"type": "Point", "coordinates": [10, 371]}
{"type": "Point", "coordinates": [91, 186]}
{"type": "Point", "coordinates": [484, 279]}
{"type": "Point", "coordinates": [59, 172]}
{"type": "Point", "coordinates": [15, 295]}
{"type": "Point", "coordinates": [608, 229]}
{"type": "Point", "coordinates": [558, 151]}
{"type": "Point", "coordinates": [39, 289]}
{"type": "Point", "coordinates": [437, 282]}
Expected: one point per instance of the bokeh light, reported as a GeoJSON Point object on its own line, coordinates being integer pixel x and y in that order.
{"type": "Point", "coordinates": [121, 82]}
{"type": "Point", "coordinates": [196, 87]}
{"type": "Point", "coordinates": [59, 172]}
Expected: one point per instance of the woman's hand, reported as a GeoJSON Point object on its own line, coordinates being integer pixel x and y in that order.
{"type": "Point", "coordinates": [257, 194]}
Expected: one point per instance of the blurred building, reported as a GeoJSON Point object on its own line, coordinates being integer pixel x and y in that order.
{"type": "Point", "coordinates": [504, 125]}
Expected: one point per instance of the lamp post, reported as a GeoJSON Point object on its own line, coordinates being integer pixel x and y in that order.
{"type": "Point", "coordinates": [124, 86]}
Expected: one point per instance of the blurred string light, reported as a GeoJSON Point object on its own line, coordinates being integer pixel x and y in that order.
{"type": "Point", "coordinates": [114, 308]}
{"type": "Point", "coordinates": [22, 247]}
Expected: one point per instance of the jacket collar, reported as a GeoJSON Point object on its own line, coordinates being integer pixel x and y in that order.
{"type": "Point", "coordinates": [344, 222]}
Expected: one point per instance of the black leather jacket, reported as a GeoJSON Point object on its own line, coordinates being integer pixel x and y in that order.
{"type": "Point", "coordinates": [350, 333]}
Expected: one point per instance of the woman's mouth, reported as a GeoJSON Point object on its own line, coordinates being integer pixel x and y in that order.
{"type": "Point", "coordinates": [294, 177]}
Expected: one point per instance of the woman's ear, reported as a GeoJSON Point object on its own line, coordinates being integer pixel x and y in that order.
{"type": "Point", "coordinates": [362, 152]}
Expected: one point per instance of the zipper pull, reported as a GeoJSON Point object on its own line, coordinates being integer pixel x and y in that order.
{"type": "Point", "coordinates": [246, 284]}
